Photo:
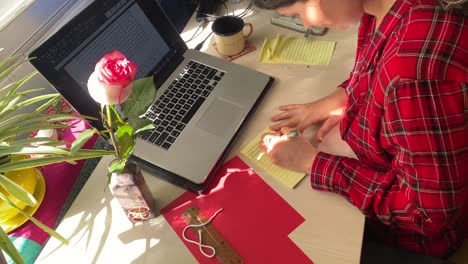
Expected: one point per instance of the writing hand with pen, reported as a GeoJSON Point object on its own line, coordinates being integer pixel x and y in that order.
{"type": "Point", "coordinates": [289, 149]}
{"type": "Point", "coordinates": [294, 151]}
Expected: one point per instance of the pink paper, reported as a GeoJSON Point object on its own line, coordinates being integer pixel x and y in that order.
{"type": "Point", "coordinates": [256, 221]}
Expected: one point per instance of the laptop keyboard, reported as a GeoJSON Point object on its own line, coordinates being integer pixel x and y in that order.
{"type": "Point", "coordinates": [172, 111]}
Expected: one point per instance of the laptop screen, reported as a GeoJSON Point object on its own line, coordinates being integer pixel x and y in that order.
{"type": "Point", "coordinates": [124, 28]}
{"type": "Point", "coordinates": [139, 29]}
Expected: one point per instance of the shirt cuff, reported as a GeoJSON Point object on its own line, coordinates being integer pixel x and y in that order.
{"type": "Point", "coordinates": [323, 171]}
{"type": "Point", "coordinates": [344, 84]}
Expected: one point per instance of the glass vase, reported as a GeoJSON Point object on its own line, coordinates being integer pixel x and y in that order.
{"type": "Point", "coordinates": [130, 189]}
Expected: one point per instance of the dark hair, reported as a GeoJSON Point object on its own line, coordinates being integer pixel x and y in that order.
{"type": "Point", "coordinates": [274, 4]}
{"type": "Point", "coordinates": [460, 6]}
{"type": "Point", "coordinates": [457, 5]}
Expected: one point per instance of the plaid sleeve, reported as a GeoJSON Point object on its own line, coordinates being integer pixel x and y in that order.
{"type": "Point", "coordinates": [426, 145]}
{"type": "Point", "coordinates": [344, 84]}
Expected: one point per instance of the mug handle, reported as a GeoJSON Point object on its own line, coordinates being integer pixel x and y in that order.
{"type": "Point", "coordinates": [250, 30]}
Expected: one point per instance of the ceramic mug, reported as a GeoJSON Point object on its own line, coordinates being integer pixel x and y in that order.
{"type": "Point", "coordinates": [229, 34]}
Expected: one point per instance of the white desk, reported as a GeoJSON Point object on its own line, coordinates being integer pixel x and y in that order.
{"type": "Point", "coordinates": [99, 232]}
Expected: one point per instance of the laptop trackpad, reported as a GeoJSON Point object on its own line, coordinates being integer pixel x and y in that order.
{"type": "Point", "coordinates": [220, 118]}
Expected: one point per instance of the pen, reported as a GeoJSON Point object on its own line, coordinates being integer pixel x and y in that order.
{"type": "Point", "coordinates": [290, 134]}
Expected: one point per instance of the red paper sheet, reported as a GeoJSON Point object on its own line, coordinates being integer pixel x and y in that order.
{"type": "Point", "coordinates": [256, 221]}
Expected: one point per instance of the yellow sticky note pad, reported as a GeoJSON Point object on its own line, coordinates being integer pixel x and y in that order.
{"type": "Point", "coordinates": [253, 152]}
{"type": "Point", "coordinates": [297, 51]}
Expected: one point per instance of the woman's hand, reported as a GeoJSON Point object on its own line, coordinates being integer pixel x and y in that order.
{"type": "Point", "coordinates": [333, 119]}
{"type": "Point", "coordinates": [295, 115]}
{"type": "Point", "coordinates": [293, 153]}
{"type": "Point", "coordinates": [301, 116]}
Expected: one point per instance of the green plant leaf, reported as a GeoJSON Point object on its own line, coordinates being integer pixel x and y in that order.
{"type": "Point", "coordinates": [22, 81]}
{"type": "Point", "coordinates": [115, 117]}
{"type": "Point", "coordinates": [126, 141]}
{"type": "Point", "coordinates": [6, 87]}
{"type": "Point", "coordinates": [82, 139]}
{"type": "Point", "coordinates": [17, 121]}
{"type": "Point", "coordinates": [4, 159]}
{"type": "Point", "coordinates": [25, 150]}
{"type": "Point", "coordinates": [20, 131]}
{"type": "Point", "coordinates": [43, 141]}
{"type": "Point", "coordinates": [8, 61]}
{"type": "Point", "coordinates": [10, 104]}
{"type": "Point", "coordinates": [45, 105]}
{"type": "Point", "coordinates": [17, 191]}
{"type": "Point", "coordinates": [23, 120]}
{"type": "Point", "coordinates": [6, 99]}
{"type": "Point", "coordinates": [25, 103]}
{"type": "Point", "coordinates": [143, 129]}
{"type": "Point", "coordinates": [115, 166]}
{"type": "Point", "coordinates": [140, 99]}
{"type": "Point", "coordinates": [5, 71]}
{"type": "Point", "coordinates": [7, 246]}
{"type": "Point", "coordinates": [112, 117]}
{"type": "Point", "coordinates": [32, 101]}
{"type": "Point", "coordinates": [37, 162]}
{"type": "Point", "coordinates": [36, 222]}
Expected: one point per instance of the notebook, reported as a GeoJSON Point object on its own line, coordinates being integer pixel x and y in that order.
{"type": "Point", "coordinates": [202, 102]}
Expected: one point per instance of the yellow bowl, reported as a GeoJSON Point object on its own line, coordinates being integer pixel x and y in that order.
{"type": "Point", "coordinates": [19, 219]}
{"type": "Point", "coordinates": [24, 178]}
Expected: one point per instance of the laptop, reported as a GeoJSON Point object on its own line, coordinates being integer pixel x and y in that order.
{"type": "Point", "coordinates": [202, 102]}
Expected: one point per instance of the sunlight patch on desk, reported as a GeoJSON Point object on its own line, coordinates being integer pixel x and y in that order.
{"type": "Point", "coordinates": [187, 35]}
{"type": "Point", "coordinates": [156, 222]}
{"type": "Point", "coordinates": [237, 10]}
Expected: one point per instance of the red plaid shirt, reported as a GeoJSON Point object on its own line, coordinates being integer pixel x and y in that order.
{"type": "Point", "coordinates": [405, 120]}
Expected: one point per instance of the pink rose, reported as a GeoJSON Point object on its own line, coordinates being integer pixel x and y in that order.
{"type": "Point", "coordinates": [111, 81]}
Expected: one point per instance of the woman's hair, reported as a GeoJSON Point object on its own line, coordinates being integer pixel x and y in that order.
{"type": "Point", "coordinates": [456, 5]}
{"type": "Point", "coordinates": [274, 4]}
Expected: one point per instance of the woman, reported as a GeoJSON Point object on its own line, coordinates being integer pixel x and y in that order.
{"type": "Point", "coordinates": [402, 111]}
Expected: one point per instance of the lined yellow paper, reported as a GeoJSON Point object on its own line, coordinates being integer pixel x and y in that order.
{"type": "Point", "coordinates": [254, 153]}
{"type": "Point", "coordinates": [297, 51]}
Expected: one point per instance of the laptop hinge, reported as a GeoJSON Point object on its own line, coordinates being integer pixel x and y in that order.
{"type": "Point", "coordinates": [169, 64]}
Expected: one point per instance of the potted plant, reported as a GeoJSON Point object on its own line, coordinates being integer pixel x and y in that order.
{"type": "Point", "coordinates": [14, 125]}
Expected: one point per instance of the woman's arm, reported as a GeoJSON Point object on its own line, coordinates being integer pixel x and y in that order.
{"type": "Point", "coordinates": [301, 116]}
{"type": "Point", "coordinates": [426, 139]}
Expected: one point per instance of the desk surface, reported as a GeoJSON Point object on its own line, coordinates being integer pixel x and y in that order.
{"type": "Point", "coordinates": [99, 232]}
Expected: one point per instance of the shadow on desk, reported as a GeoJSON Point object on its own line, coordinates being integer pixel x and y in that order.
{"type": "Point", "coordinates": [374, 252]}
